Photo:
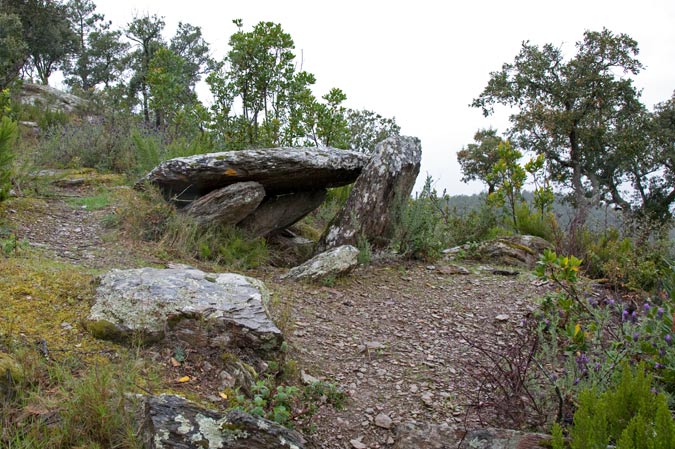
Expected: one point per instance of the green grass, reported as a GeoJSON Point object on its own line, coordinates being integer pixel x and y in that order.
{"type": "Point", "coordinates": [99, 201]}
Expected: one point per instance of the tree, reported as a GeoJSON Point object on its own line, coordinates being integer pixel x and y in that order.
{"type": "Point", "coordinates": [508, 178]}
{"type": "Point", "coordinates": [574, 111]}
{"type": "Point", "coordinates": [84, 21]}
{"type": "Point", "coordinates": [46, 32]}
{"type": "Point", "coordinates": [189, 44]}
{"type": "Point", "coordinates": [13, 49]}
{"type": "Point", "coordinates": [106, 56]}
{"type": "Point", "coordinates": [146, 32]}
{"type": "Point", "coordinates": [368, 128]}
{"type": "Point", "coordinates": [478, 159]}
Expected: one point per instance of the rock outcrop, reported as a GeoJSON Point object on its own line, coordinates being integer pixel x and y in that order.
{"type": "Point", "coordinates": [516, 250]}
{"type": "Point", "coordinates": [278, 170]}
{"type": "Point", "coordinates": [335, 262]}
{"type": "Point", "coordinates": [387, 180]}
{"type": "Point", "coordinates": [227, 206]}
{"type": "Point", "coordinates": [222, 310]}
{"type": "Point", "coordinates": [49, 98]}
{"type": "Point", "coordinates": [173, 422]}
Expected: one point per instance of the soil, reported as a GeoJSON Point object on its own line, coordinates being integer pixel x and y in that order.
{"type": "Point", "coordinates": [394, 334]}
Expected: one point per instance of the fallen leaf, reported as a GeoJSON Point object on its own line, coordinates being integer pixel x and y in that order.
{"type": "Point", "coordinates": [175, 363]}
{"type": "Point", "coordinates": [184, 379]}
{"type": "Point", "coordinates": [222, 395]}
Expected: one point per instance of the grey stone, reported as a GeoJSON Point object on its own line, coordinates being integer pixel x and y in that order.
{"type": "Point", "coordinates": [386, 181]}
{"type": "Point", "coordinates": [172, 422]}
{"type": "Point", "coordinates": [49, 98]}
{"type": "Point", "coordinates": [383, 420]}
{"type": "Point", "coordinates": [516, 250]}
{"type": "Point", "coordinates": [228, 205]}
{"type": "Point", "coordinates": [279, 170]}
{"type": "Point", "coordinates": [335, 262]}
{"type": "Point", "coordinates": [217, 309]}
{"type": "Point", "coordinates": [281, 211]}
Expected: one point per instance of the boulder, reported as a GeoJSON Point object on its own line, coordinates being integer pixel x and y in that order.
{"type": "Point", "coordinates": [279, 170]}
{"type": "Point", "coordinates": [50, 98]}
{"type": "Point", "coordinates": [516, 250]}
{"type": "Point", "coordinates": [386, 181]}
{"type": "Point", "coordinates": [335, 262]}
{"type": "Point", "coordinates": [433, 436]}
{"type": "Point", "coordinates": [227, 206]}
{"type": "Point", "coordinates": [281, 211]}
{"type": "Point", "coordinates": [222, 310]}
{"type": "Point", "coordinates": [173, 422]}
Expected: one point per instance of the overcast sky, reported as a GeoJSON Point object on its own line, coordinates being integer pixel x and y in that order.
{"type": "Point", "coordinates": [424, 61]}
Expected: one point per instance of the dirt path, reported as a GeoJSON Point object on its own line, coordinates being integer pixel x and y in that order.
{"type": "Point", "coordinates": [393, 335]}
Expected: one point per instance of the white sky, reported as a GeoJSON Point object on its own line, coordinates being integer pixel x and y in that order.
{"type": "Point", "coordinates": [423, 62]}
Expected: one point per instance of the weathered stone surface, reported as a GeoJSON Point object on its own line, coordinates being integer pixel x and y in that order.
{"type": "Point", "coordinates": [49, 97]}
{"type": "Point", "coordinates": [227, 206]}
{"type": "Point", "coordinates": [281, 211]}
{"type": "Point", "coordinates": [172, 422]}
{"type": "Point", "coordinates": [216, 309]}
{"type": "Point", "coordinates": [334, 262]}
{"type": "Point", "coordinates": [517, 250]}
{"type": "Point", "coordinates": [388, 178]}
{"type": "Point", "coordinates": [279, 170]}
{"type": "Point", "coordinates": [431, 436]}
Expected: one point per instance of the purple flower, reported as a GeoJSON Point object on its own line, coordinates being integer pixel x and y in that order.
{"type": "Point", "coordinates": [633, 316]}
{"type": "Point", "coordinates": [668, 339]}
{"type": "Point", "coordinates": [611, 301]}
{"type": "Point", "coordinates": [646, 307]}
{"type": "Point", "coordinates": [597, 366]}
{"type": "Point", "coordinates": [636, 336]}
{"type": "Point", "coordinates": [659, 312]}
{"type": "Point", "coordinates": [624, 315]}
{"type": "Point", "coordinates": [576, 381]}
{"type": "Point", "coordinates": [658, 366]}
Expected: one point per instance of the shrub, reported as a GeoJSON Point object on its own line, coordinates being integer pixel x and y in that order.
{"type": "Point", "coordinates": [8, 136]}
{"type": "Point", "coordinates": [630, 415]}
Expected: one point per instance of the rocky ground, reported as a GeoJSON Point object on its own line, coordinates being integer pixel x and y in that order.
{"type": "Point", "coordinates": [394, 335]}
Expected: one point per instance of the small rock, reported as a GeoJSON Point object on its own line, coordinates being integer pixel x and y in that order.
{"type": "Point", "coordinates": [502, 317]}
{"type": "Point", "coordinates": [307, 379]}
{"type": "Point", "coordinates": [414, 388]}
{"type": "Point", "coordinates": [383, 420]}
{"type": "Point", "coordinates": [453, 269]}
{"type": "Point", "coordinates": [428, 399]}
{"type": "Point", "coordinates": [357, 444]}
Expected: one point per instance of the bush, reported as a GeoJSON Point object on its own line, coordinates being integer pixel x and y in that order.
{"type": "Point", "coordinates": [630, 416]}
{"type": "Point", "coordinates": [8, 136]}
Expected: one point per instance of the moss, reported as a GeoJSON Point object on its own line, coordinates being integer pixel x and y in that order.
{"type": "Point", "coordinates": [104, 330]}
{"type": "Point", "coordinates": [11, 372]}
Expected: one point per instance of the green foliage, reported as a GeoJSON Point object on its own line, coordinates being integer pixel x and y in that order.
{"type": "Point", "coordinates": [8, 136]}
{"type": "Point", "coordinates": [419, 229]}
{"type": "Point", "coordinates": [13, 48]}
{"type": "Point", "coordinates": [368, 128]}
{"type": "Point", "coordinates": [630, 415]}
{"type": "Point", "coordinates": [532, 223]}
{"type": "Point", "coordinates": [507, 177]}
{"type": "Point", "coordinates": [478, 159]}
{"type": "Point", "coordinates": [628, 261]}
{"type": "Point", "coordinates": [365, 252]}
{"type": "Point", "coordinates": [100, 200]}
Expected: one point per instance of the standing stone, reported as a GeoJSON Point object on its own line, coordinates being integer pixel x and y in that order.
{"type": "Point", "coordinates": [281, 211]}
{"type": "Point", "coordinates": [387, 180]}
{"type": "Point", "coordinates": [227, 206]}
{"type": "Point", "coordinates": [334, 262]}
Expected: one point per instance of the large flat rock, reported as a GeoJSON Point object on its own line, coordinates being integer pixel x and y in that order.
{"type": "Point", "coordinates": [216, 309]}
{"type": "Point", "coordinates": [279, 170]}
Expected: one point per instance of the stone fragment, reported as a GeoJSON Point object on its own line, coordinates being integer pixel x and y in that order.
{"type": "Point", "coordinates": [357, 444]}
{"type": "Point", "coordinates": [217, 309]}
{"type": "Point", "coordinates": [173, 422]}
{"type": "Point", "coordinates": [335, 262]}
{"type": "Point", "coordinates": [228, 205]}
{"type": "Point", "coordinates": [281, 211]}
{"type": "Point", "coordinates": [279, 170]}
{"type": "Point", "coordinates": [386, 181]}
{"type": "Point", "coordinates": [452, 270]}
{"type": "Point", "coordinates": [383, 420]}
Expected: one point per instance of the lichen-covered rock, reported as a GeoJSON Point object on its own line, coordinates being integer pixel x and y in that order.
{"type": "Point", "coordinates": [516, 250]}
{"type": "Point", "coordinates": [444, 436]}
{"type": "Point", "coordinates": [386, 181]}
{"type": "Point", "coordinates": [281, 211]}
{"type": "Point", "coordinates": [216, 309]}
{"type": "Point", "coordinates": [227, 206]}
{"type": "Point", "coordinates": [172, 422]}
{"type": "Point", "coordinates": [335, 262]}
{"type": "Point", "coordinates": [49, 98]}
{"type": "Point", "coordinates": [279, 170]}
